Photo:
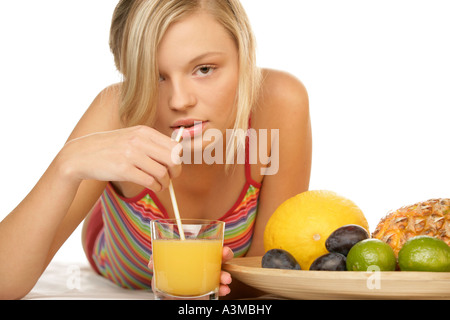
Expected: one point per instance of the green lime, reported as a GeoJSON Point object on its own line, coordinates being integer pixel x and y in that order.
{"type": "Point", "coordinates": [424, 253]}
{"type": "Point", "coordinates": [369, 253]}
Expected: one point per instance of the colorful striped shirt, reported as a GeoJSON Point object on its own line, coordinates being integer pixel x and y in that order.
{"type": "Point", "coordinates": [123, 246]}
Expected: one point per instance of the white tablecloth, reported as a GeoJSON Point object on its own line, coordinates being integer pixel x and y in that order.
{"type": "Point", "coordinates": [77, 281]}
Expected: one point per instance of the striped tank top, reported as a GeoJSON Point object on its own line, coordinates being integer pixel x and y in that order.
{"type": "Point", "coordinates": [122, 248]}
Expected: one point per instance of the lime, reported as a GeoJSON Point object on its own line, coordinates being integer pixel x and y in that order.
{"type": "Point", "coordinates": [424, 253]}
{"type": "Point", "coordinates": [371, 252]}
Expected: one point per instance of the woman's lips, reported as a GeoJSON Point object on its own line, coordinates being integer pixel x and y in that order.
{"type": "Point", "coordinates": [187, 122]}
{"type": "Point", "coordinates": [191, 128]}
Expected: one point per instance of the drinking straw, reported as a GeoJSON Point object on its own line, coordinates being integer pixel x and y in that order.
{"type": "Point", "coordinates": [172, 194]}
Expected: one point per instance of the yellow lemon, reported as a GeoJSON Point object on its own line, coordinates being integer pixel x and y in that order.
{"type": "Point", "coordinates": [302, 224]}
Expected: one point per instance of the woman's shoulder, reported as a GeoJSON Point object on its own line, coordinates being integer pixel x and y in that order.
{"type": "Point", "coordinates": [102, 115]}
{"type": "Point", "coordinates": [108, 97]}
{"type": "Point", "coordinates": [106, 106]}
{"type": "Point", "coordinates": [280, 79]}
{"type": "Point", "coordinates": [283, 98]}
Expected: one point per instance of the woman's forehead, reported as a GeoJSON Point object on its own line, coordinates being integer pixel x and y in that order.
{"type": "Point", "coordinates": [193, 36]}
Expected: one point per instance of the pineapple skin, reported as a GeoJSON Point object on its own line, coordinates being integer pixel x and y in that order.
{"type": "Point", "coordinates": [430, 218]}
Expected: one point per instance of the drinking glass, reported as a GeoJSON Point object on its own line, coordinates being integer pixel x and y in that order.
{"type": "Point", "coordinates": [189, 268]}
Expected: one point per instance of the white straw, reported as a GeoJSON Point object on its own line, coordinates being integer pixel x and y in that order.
{"type": "Point", "coordinates": [172, 195]}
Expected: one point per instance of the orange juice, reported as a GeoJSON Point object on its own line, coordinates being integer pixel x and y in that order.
{"type": "Point", "coordinates": [187, 267]}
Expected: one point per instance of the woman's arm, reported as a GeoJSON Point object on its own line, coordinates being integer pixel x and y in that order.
{"type": "Point", "coordinates": [27, 233]}
{"type": "Point", "coordinates": [98, 150]}
{"type": "Point", "coordinates": [34, 231]}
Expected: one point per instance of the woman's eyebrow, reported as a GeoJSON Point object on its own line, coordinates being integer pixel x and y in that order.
{"type": "Point", "coordinates": [206, 55]}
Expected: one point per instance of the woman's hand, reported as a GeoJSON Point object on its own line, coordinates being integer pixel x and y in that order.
{"type": "Point", "coordinates": [225, 277]}
{"type": "Point", "coordinates": [138, 154]}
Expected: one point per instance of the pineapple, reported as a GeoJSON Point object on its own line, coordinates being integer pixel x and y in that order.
{"type": "Point", "coordinates": [430, 218]}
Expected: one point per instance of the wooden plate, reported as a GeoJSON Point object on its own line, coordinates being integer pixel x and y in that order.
{"type": "Point", "coordinates": [302, 284]}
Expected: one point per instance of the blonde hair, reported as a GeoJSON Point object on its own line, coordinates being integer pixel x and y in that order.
{"type": "Point", "coordinates": [136, 31]}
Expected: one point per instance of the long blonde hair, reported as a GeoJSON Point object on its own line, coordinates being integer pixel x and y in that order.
{"type": "Point", "coordinates": [136, 31]}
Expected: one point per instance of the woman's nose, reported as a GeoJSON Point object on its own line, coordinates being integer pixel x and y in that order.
{"type": "Point", "coordinates": [181, 96]}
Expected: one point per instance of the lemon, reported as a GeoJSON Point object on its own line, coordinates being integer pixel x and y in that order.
{"type": "Point", "coordinates": [302, 224]}
{"type": "Point", "coordinates": [424, 253]}
{"type": "Point", "coordinates": [370, 253]}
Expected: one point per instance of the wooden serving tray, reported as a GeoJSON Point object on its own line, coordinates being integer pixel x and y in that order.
{"type": "Point", "coordinates": [302, 284]}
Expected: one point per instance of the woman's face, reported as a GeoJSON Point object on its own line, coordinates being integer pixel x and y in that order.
{"type": "Point", "coordinates": [198, 66]}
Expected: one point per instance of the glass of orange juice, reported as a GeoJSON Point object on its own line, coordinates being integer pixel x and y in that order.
{"type": "Point", "coordinates": [187, 268]}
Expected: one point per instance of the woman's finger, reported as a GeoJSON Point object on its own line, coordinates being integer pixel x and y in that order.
{"type": "Point", "coordinates": [225, 280]}
{"type": "Point", "coordinates": [227, 254]}
{"type": "Point", "coordinates": [142, 178]}
{"type": "Point", "coordinates": [225, 277]}
{"type": "Point", "coordinates": [224, 290]}
{"type": "Point", "coordinates": [150, 263]}
{"type": "Point", "coordinates": [154, 169]}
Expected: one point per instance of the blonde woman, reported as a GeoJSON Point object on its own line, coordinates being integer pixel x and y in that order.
{"type": "Point", "coordinates": [185, 63]}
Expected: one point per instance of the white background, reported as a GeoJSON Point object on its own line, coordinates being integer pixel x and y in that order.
{"type": "Point", "coordinates": [377, 73]}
